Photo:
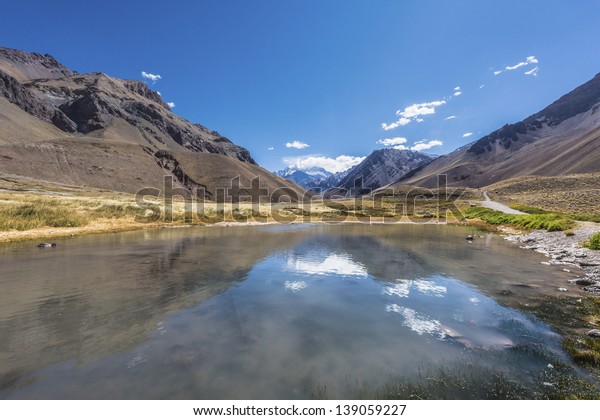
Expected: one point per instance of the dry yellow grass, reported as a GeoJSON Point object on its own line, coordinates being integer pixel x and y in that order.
{"type": "Point", "coordinates": [30, 210]}
{"type": "Point", "coordinates": [574, 194]}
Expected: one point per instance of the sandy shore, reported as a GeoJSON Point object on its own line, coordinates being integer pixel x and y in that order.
{"type": "Point", "coordinates": [568, 251]}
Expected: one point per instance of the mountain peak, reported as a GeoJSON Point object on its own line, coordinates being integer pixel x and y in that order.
{"type": "Point", "coordinates": [25, 66]}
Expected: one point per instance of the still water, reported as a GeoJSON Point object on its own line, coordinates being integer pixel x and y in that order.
{"type": "Point", "coordinates": [266, 312]}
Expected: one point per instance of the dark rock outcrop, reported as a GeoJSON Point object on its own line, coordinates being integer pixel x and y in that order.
{"type": "Point", "coordinates": [19, 95]}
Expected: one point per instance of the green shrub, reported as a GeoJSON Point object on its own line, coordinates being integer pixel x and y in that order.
{"type": "Point", "coordinates": [594, 242]}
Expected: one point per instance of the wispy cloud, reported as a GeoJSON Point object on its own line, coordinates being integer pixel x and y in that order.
{"type": "Point", "coordinates": [533, 72]}
{"type": "Point", "coordinates": [528, 61]}
{"type": "Point", "coordinates": [338, 164]}
{"type": "Point", "coordinates": [296, 145]}
{"type": "Point", "coordinates": [171, 104]}
{"type": "Point", "coordinates": [481, 86]}
{"type": "Point", "coordinates": [271, 148]}
{"type": "Point", "coordinates": [451, 117]}
{"type": "Point", "coordinates": [457, 93]}
{"type": "Point", "coordinates": [457, 88]}
{"type": "Point", "coordinates": [467, 134]}
{"type": "Point", "coordinates": [392, 142]}
{"type": "Point", "coordinates": [412, 113]}
{"type": "Point", "coordinates": [152, 77]}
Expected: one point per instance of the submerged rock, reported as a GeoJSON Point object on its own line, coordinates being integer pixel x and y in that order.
{"type": "Point", "coordinates": [46, 245]}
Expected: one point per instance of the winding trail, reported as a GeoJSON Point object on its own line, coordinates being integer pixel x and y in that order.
{"type": "Point", "coordinates": [494, 205]}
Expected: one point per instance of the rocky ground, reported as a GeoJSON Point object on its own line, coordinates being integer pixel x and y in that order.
{"type": "Point", "coordinates": [568, 251]}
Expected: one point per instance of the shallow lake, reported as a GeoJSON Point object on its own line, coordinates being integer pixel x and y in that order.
{"type": "Point", "coordinates": [301, 311]}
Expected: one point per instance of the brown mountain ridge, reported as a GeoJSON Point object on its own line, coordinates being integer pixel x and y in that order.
{"type": "Point", "coordinates": [99, 131]}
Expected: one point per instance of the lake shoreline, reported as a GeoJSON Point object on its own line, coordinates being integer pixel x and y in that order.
{"type": "Point", "coordinates": [567, 251]}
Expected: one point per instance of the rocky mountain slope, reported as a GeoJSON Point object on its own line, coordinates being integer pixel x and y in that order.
{"type": "Point", "coordinates": [380, 168]}
{"type": "Point", "coordinates": [562, 139]}
{"type": "Point", "coordinates": [101, 131]}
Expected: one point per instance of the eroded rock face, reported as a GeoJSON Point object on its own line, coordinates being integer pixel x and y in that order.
{"type": "Point", "coordinates": [19, 95]}
{"type": "Point", "coordinates": [142, 89]}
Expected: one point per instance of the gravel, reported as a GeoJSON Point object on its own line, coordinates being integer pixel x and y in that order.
{"type": "Point", "coordinates": [567, 250]}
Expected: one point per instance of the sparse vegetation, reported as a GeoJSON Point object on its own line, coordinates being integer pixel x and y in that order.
{"type": "Point", "coordinates": [577, 195]}
{"type": "Point", "coordinates": [594, 242]}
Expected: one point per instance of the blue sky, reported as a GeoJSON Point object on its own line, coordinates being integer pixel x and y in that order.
{"type": "Point", "coordinates": [327, 73]}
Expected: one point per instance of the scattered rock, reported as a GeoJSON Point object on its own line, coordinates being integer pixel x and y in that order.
{"type": "Point", "coordinates": [46, 245]}
{"type": "Point", "coordinates": [562, 289]}
{"type": "Point", "coordinates": [470, 237]}
{"type": "Point", "coordinates": [582, 282]}
{"type": "Point", "coordinates": [593, 333]}
{"type": "Point", "coordinates": [589, 263]}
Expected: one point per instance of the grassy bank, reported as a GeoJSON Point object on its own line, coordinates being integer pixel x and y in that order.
{"type": "Point", "coordinates": [550, 222]}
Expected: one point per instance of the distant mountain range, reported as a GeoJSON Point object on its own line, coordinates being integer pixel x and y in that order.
{"type": "Point", "coordinates": [313, 178]}
{"type": "Point", "coordinates": [380, 168]}
{"type": "Point", "coordinates": [99, 131]}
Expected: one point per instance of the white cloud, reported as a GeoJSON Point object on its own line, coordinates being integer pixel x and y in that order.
{"type": "Point", "coordinates": [335, 165]}
{"type": "Point", "coordinates": [399, 143]}
{"type": "Point", "coordinates": [457, 93]}
{"type": "Point", "coordinates": [271, 148]}
{"type": "Point", "coordinates": [171, 104]}
{"type": "Point", "coordinates": [533, 72]}
{"type": "Point", "coordinates": [392, 142]}
{"type": "Point", "coordinates": [159, 94]}
{"type": "Point", "coordinates": [529, 60]}
{"type": "Point", "coordinates": [412, 113]}
{"type": "Point", "coordinates": [425, 145]}
{"type": "Point", "coordinates": [457, 88]}
{"type": "Point", "coordinates": [481, 86]}
{"type": "Point", "coordinates": [296, 145]}
{"type": "Point", "coordinates": [416, 110]}
{"type": "Point", "coordinates": [467, 134]}
{"type": "Point", "coordinates": [401, 122]}
{"type": "Point", "coordinates": [451, 117]}
{"type": "Point", "coordinates": [152, 77]}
